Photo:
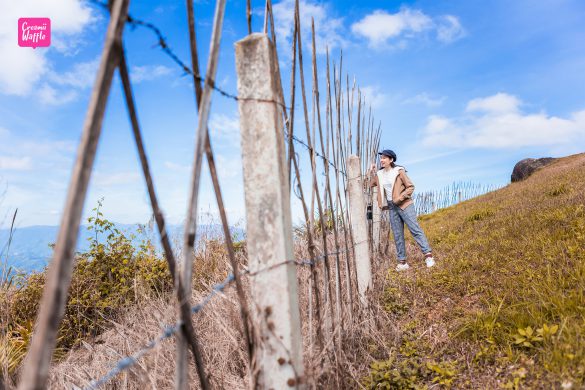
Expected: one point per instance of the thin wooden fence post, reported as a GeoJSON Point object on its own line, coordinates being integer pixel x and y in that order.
{"type": "Point", "coordinates": [357, 208]}
{"type": "Point", "coordinates": [278, 356]}
{"type": "Point", "coordinates": [52, 305]}
{"type": "Point", "coordinates": [190, 233]}
{"type": "Point", "coordinates": [244, 312]}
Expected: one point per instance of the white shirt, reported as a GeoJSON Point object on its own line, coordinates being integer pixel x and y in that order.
{"type": "Point", "coordinates": [388, 177]}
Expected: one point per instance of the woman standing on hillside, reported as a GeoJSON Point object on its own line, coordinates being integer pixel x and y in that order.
{"type": "Point", "coordinates": [394, 193]}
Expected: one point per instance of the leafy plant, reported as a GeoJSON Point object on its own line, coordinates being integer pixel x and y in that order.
{"type": "Point", "coordinates": [109, 277]}
{"type": "Point", "coordinates": [480, 215]}
{"type": "Point", "coordinates": [444, 372]}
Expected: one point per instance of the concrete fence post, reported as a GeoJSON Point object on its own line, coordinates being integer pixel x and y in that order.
{"type": "Point", "coordinates": [375, 219]}
{"type": "Point", "coordinates": [357, 209]}
{"type": "Point", "coordinates": [278, 356]}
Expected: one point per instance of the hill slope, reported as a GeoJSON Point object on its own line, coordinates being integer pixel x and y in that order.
{"type": "Point", "coordinates": [505, 307]}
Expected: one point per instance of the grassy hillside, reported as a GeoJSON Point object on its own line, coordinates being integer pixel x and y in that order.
{"type": "Point", "coordinates": [505, 307]}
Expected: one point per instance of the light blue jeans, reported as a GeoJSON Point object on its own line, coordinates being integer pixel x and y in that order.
{"type": "Point", "coordinates": [398, 218]}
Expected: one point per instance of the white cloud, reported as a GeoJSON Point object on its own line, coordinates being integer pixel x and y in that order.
{"type": "Point", "coordinates": [148, 72]}
{"type": "Point", "coordinates": [42, 153]}
{"type": "Point", "coordinates": [425, 99]}
{"type": "Point", "coordinates": [62, 88]}
{"type": "Point", "coordinates": [225, 128]}
{"type": "Point", "coordinates": [230, 167]}
{"type": "Point", "coordinates": [81, 76]}
{"type": "Point", "coordinates": [328, 29]}
{"type": "Point", "coordinates": [373, 96]}
{"type": "Point", "coordinates": [15, 163]}
{"type": "Point", "coordinates": [449, 29]}
{"type": "Point", "coordinates": [497, 122]}
{"type": "Point", "coordinates": [177, 167]}
{"type": "Point", "coordinates": [115, 179]}
{"type": "Point", "coordinates": [27, 66]}
{"type": "Point", "coordinates": [50, 96]}
{"type": "Point", "coordinates": [380, 27]}
{"type": "Point", "coordinates": [500, 102]}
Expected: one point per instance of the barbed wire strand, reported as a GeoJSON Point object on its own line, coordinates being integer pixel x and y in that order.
{"type": "Point", "coordinates": [166, 48]}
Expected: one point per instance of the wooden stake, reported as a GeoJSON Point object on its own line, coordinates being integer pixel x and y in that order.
{"type": "Point", "coordinates": [52, 306]}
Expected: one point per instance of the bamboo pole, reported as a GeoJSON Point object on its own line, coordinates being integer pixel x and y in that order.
{"type": "Point", "coordinates": [191, 220]}
{"type": "Point", "coordinates": [52, 306]}
{"type": "Point", "coordinates": [244, 314]}
{"type": "Point", "coordinates": [341, 183]}
{"type": "Point", "coordinates": [328, 291]}
{"type": "Point", "coordinates": [328, 196]}
{"type": "Point", "coordinates": [185, 312]}
{"type": "Point", "coordinates": [293, 159]}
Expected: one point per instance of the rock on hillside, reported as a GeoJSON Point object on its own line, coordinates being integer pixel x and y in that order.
{"type": "Point", "coordinates": [526, 167]}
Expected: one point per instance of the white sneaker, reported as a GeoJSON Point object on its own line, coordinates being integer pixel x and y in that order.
{"type": "Point", "coordinates": [430, 262]}
{"type": "Point", "coordinates": [402, 267]}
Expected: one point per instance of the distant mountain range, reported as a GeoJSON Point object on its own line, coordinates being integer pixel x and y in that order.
{"type": "Point", "coordinates": [30, 249]}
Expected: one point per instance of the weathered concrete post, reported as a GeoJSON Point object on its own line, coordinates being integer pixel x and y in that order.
{"type": "Point", "coordinates": [278, 355]}
{"type": "Point", "coordinates": [357, 209]}
{"type": "Point", "coordinates": [375, 219]}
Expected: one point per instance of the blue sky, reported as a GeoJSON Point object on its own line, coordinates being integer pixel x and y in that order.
{"type": "Point", "coordinates": [463, 89]}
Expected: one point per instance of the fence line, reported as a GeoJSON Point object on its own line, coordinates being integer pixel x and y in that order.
{"type": "Point", "coordinates": [346, 139]}
{"type": "Point", "coordinates": [430, 201]}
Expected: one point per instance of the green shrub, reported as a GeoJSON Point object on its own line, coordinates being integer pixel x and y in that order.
{"type": "Point", "coordinates": [480, 215]}
{"type": "Point", "coordinates": [111, 276]}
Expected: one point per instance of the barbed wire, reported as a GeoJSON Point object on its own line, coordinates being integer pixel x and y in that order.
{"type": "Point", "coordinates": [166, 48]}
{"type": "Point", "coordinates": [309, 148]}
{"type": "Point", "coordinates": [168, 331]}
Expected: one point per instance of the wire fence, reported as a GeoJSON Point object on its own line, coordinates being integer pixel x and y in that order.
{"type": "Point", "coordinates": [334, 210]}
{"type": "Point", "coordinates": [430, 201]}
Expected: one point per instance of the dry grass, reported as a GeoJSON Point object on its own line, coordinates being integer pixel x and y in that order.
{"type": "Point", "coordinates": [507, 260]}
{"type": "Point", "coordinates": [341, 365]}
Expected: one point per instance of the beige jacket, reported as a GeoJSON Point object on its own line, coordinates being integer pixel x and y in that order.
{"type": "Point", "coordinates": [401, 190]}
